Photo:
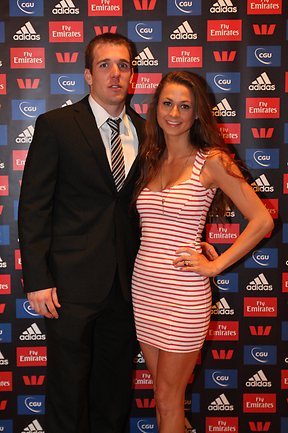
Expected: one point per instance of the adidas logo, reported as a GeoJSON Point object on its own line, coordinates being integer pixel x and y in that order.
{"type": "Point", "coordinates": [262, 83]}
{"type": "Point", "coordinates": [25, 137]}
{"type": "Point", "coordinates": [26, 33]}
{"type": "Point", "coordinates": [259, 283]}
{"type": "Point", "coordinates": [3, 360]}
{"type": "Point", "coordinates": [33, 427]}
{"type": "Point", "coordinates": [220, 403]}
{"type": "Point", "coordinates": [65, 7]}
{"type": "Point", "coordinates": [223, 6]}
{"type": "Point", "coordinates": [32, 333]}
{"type": "Point", "coordinates": [139, 359]}
{"type": "Point", "coordinates": [145, 58]}
{"type": "Point", "coordinates": [184, 31]}
{"type": "Point", "coordinates": [68, 102]}
{"type": "Point", "coordinates": [261, 184]}
{"type": "Point", "coordinates": [224, 109]}
{"type": "Point", "coordinates": [3, 264]}
{"type": "Point", "coordinates": [222, 307]}
{"type": "Point", "coordinates": [258, 380]}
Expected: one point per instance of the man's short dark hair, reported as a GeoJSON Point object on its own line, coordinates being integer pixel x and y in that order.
{"type": "Point", "coordinates": [106, 38]}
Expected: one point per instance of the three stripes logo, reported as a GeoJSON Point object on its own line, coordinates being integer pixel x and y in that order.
{"type": "Point", "coordinates": [224, 56]}
{"type": "Point", "coordinates": [260, 331]}
{"type": "Point", "coordinates": [144, 5]}
{"type": "Point", "coordinates": [145, 58]}
{"type": "Point", "coordinates": [262, 426]}
{"type": "Point", "coordinates": [65, 7]}
{"type": "Point", "coordinates": [104, 29]}
{"type": "Point", "coordinates": [32, 333]}
{"type": "Point", "coordinates": [222, 308]}
{"type": "Point", "coordinates": [262, 83]}
{"type": "Point", "coordinates": [184, 31]}
{"type": "Point", "coordinates": [33, 427]}
{"type": "Point", "coordinates": [223, 109]}
{"type": "Point", "coordinates": [261, 184]}
{"type": "Point", "coordinates": [26, 33]}
{"type": "Point", "coordinates": [33, 380]}
{"type": "Point", "coordinates": [223, 6]}
{"type": "Point", "coordinates": [258, 380]}
{"type": "Point", "coordinates": [28, 83]}
{"type": "Point", "coordinates": [26, 135]}
{"type": "Point", "coordinates": [262, 132]}
{"type": "Point", "coordinates": [222, 354]}
{"type": "Point", "coordinates": [264, 29]}
{"type": "Point", "coordinates": [3, 360]}
{"type": "Point", "coordinates": [67, 57]}
{"type": "Point", "coordinates": [221, 403]}
{"type": "Point", "coordinates": [259, 283]}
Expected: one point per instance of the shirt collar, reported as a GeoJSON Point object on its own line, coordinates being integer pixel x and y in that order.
{"type": "Point", "coordinates": [101, 114]}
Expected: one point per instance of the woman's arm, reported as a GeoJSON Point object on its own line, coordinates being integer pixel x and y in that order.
{"type": "Point", "coordinates": [260, 222]}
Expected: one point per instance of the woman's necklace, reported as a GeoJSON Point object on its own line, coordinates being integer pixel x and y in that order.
{"type": "Point", "coordinates": [164, 196]}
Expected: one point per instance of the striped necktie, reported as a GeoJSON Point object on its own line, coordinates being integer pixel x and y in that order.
{"type": "Point", "coordinates": [117, 156]}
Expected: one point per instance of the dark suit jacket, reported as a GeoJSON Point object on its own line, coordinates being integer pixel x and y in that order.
{"type": "Point", "coordinates": [75, 229]}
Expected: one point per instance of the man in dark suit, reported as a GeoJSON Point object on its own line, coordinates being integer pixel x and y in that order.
{"type": "Point", "coordinates": [78, 238]}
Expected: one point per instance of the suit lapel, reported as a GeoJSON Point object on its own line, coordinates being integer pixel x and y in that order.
{"type": "Point", "coordinates": [86, 121]}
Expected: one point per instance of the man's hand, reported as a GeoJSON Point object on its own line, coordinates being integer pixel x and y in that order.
{"type": "Point", "coordinates": [45, 302]}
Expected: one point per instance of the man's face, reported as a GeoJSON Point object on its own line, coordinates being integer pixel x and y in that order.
{"type": "Point", "coordinates": [110, 76]}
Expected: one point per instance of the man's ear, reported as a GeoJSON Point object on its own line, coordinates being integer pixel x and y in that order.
{"type": "Point", "coordinates": [88, 77]}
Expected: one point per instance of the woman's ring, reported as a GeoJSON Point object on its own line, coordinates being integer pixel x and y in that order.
{"type": "Point", "coordinates": [187, 263]}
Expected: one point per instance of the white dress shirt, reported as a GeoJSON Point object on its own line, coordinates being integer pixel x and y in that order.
{"type": "Point", "coordinates": [128, 133]}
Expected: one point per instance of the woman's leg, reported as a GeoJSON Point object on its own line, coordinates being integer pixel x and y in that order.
{"type": "Point", "coordinates": [173, 373]}
{"type": "Point", "coordinates": [150, 354]}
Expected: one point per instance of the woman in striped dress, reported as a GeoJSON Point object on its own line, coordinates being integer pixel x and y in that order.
{"type": "Point", "coordinates": [184, 167]}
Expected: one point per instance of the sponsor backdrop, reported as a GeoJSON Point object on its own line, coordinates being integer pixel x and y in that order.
{"type": "Point", "coordinates": [240, 48]}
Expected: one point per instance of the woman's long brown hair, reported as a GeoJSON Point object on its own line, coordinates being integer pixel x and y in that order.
{"type": "Point", "coordinates": [204, 134]}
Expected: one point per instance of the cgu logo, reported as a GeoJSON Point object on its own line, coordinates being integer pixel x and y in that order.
{"type": "Point", "coordinates": [184, 5]}
{"type": "Point", "coordinates": [28, 110]}
{"type": "Point", "coordinates": [222, 83]}
{"type": "Point", "coordinates": [33, 405]}
{"type": "Point", "coordinates": [263, 56]}
{"type": "Point", "coordinates": [261, 258]}
{"type": "Point", "coordinates": [144, 31]}
{"type": "Point", "coordinates": [220, 379]}
{"type": "Point", "coordinates": [66, 84]}
{"type": "Point", "coordinates": [259, 355]}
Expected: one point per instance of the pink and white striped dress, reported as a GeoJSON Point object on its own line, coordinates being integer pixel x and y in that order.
{"type": "Point", "coordinates": [172, 308]}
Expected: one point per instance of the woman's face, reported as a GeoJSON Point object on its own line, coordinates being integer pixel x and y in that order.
{"type": "Point", "coordinates": [176, 110]}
